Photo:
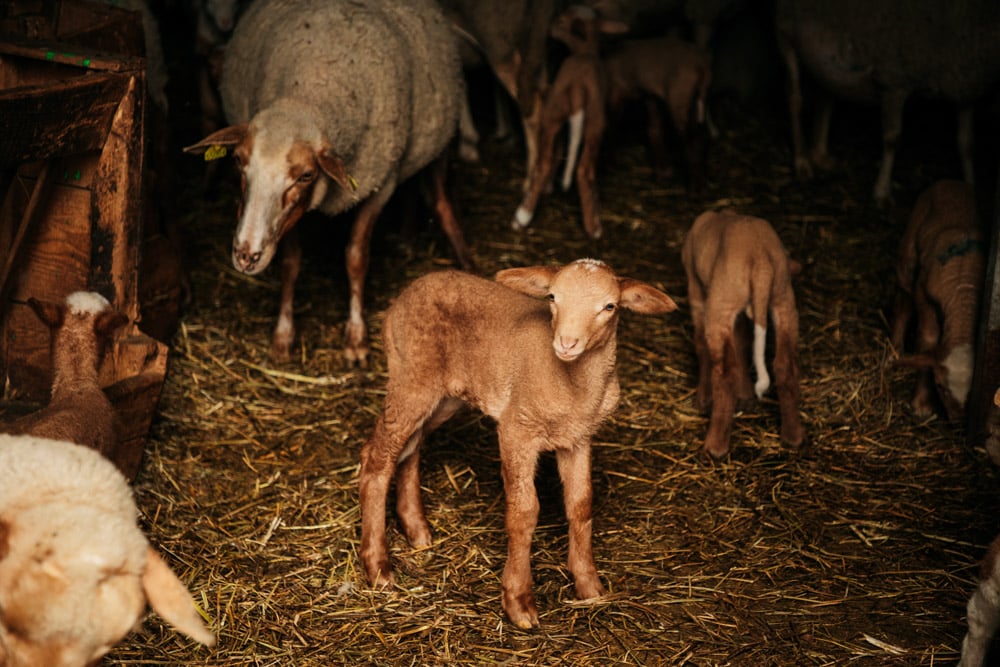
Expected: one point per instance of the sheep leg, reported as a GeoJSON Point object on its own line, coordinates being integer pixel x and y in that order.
{"type": "Point", "coordinates": [722, 353]}
{"type": "Point", "coordinates": [657, 143]}
{"type": "Point", "coordinates": [803, 169]}
{"type": "Point", "coordinates": [574, 470]}
{"type": "Point", "coordinates": [786, 374]}
{"type": "Point", "coordinates": [519, 458]}
{"type": "Point", "coordinates": [902, 314]}
{"type": "Point", "coordinates": [356, 334]}
{"type": "Point", "coordinates": [892, 126]}
{"type": "Point", "coordinates": [539, 175]}
{"type": "Point", "coordinates": [696, 301]}
{"type": "Point", "coordinates": [586, 176]}
{"type": "Point", "coordinates": [928, 334]}
{"type": "Point", "coordinates": [396, 437]}
{"type": "Point", "coordinates": [743, 333]}
{"type": "Point", "coordinates": [468, 146]}
{"type": "Point", "coordinates": [284, 330]}
{"type": "Point", "coordinates": [819, 156]}
{"type": "Point", "coordinates": [409, 504]}
{"type": "Point", "coordinates": [446, 215]}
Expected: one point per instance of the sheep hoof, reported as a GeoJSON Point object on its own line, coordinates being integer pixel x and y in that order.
{"type": "Point", "coordinates": [522, 218]}
{"type": "Point", "coordinates": [281, 351]}
{"type": "Point", "coordinates": [356, 355]}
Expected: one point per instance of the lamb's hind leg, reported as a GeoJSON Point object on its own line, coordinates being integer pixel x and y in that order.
{"type": "Point", "coordinates": [397, 432]}
{"type": "Point", "coordinates": [409, 505]}
{"type": "Point", "coordinates": [722, 352]}
{"type": "Point", "coordinates": [786, 374]}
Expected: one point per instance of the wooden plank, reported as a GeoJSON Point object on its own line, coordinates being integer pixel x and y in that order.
{"type": "Point", "coordinates": [60, 119]}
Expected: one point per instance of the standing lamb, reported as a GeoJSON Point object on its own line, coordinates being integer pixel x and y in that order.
{"type": "Point", "coordinates": [888, 53]}
{"type": "Point", "coordinates": [738, 268]}
{"type": "Point", "coordinates": [546, 374]}
{"type": "Point", "coordinates": [941, 271]}
{"type": "Point", "coordinates": [78, 410]}
{"type": "Point", "coordinates": [577, 96]}
{"type": "Point", "coordinates": [673, 73]}
{"type": "Point", "coordinates": [334, 104]}
{"type": "Point", "coordinates": [75, 569]}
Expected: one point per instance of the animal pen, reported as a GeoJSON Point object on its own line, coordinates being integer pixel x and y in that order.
{"type": "Point", "coordinates": [860, 549]}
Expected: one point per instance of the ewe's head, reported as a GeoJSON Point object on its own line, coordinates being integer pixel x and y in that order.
{"type": "Point", "coordinates": [285, 165]}
{"type": "Point", "coordinates": [584, 297]}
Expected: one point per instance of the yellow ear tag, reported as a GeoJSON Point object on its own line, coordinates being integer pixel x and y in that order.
{"type": "Point", "coordinates": [354, 183]}
{"type": "Point", "coordinates": [215, 152]}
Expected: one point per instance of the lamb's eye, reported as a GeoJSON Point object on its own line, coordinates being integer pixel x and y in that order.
{"type": "Point", "coordinates": [551, 298]}
{"type": "Point", "coordinates": [306, 176]}
{"type": "Point", "coordinates": [610, 307]}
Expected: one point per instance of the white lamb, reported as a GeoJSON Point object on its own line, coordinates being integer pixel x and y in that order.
{"type": "Point", "coordinates": [334, 103]}
{"type": "Point", "coordinates": [75, 569]}
{"type": "Point", "coordinates": [546, 374]}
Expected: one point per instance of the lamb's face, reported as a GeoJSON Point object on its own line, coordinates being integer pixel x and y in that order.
{"type": "Point", "coordinates": [70, 585]}
{"type": "Point", "coordinates": [584, 298]}
{"type": "Point", "coordinates": [280, 183]}
{"type": "Point", "coordinates": [953, 378]}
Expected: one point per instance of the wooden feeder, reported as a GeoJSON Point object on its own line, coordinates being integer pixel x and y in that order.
{"type": "Point", "coordinates": [71, 165]}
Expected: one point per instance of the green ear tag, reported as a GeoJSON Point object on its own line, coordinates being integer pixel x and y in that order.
{"type": "Point", "coordinates": [354, 183]}
{"type": "Point", "coordinates": [215, 152]}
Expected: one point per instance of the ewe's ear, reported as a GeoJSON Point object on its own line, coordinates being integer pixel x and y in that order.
{"type": "Point", "coordinates": [227, 136]}
{"type": "Point", "coordinates": [334, 167]}
{"type": "Point", "coordinates": [108, 321]}
{"type": "Point", "coordinates": [531, 280]}
{"type": "Point", "coordinates": [51, 314]}
{"type": "Point", "coordinates": [639, 297]}
{"type": "Point", "coordinates": [170, 599]}
{"type": "Point", "coordinates": [921, 360]}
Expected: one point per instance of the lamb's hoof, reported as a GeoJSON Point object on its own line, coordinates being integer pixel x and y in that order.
{"type": "Point", "coordinates": [521, 611]}
{"type": "Point", "coordinates": [281, 351]}
{"type": "Point", "coordinates": [522, 218]}
{"type": "Point", "coordinates": [380, 576]}
{"type": "Point", "coordinates": [589, 587]}
{"type": "Point", "coordinates": [356, 356]}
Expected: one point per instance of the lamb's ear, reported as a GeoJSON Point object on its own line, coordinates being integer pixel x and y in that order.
{"type": "Point", "coordinates": [639, 297]}
{"type": "Point", "coordinates": [921, 360]}
{"type": "Point", "coordinates": [170, 599]}
{"type": "Point", "coordinates": [532, 280]}
{"type": "Point", "coordinates": [51, 314]}
{"type": "Point", "coordinates": [334, 167]}
{"type": "Point", "coordinates": [108, 321]}
{"type": "Point", "coordinates": [227, 136]}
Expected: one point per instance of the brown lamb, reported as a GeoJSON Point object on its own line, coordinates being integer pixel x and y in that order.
{"type": "Point", "coordinates": [544, 371]}
{"type": "Point", "coordinates": [941, 270]}
{"type": "Point", "coordinates": [78, 410]}
{"type": "Point", "coordinates": [738, 271]}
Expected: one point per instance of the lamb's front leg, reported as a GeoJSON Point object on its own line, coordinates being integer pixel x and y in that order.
{"type": "Point", "coordinates": [519, 458]}
{"type": "Point", "coordinates": [574, 470]}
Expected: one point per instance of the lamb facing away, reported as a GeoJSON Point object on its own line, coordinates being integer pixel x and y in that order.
{"type": "Point", "coordinates": [78, 410]}
{"type": "Point", "coordinates": [983, 611]}
{"type": "Point", "coordinates": [334, 103]}
{"type": "Point", "coordinates": [941, 271]}
{"type": "Point", "coordinates": [738, 272]}
{"type": "Point", "coordinates": [546, 374]}
{"type": "Point", "coordinates": [75, 569]}
{"type": "Point", "coordinates": [577, 96]}
{"type": "Point", "coordinates": [673, 73]}
{"type": "Point", "coordinates": [907, 48]}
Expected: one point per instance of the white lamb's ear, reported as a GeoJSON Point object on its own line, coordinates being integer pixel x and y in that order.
{"type": "Point", "coordinates": [531, 280]}
{"type": "Point", "coordinates": [639, 297]}
{"type": "Point", "coordinates": [170, 599]}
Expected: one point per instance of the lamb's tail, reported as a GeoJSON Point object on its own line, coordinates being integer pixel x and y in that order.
{"type": "Point", "coordinates": [760, 297]}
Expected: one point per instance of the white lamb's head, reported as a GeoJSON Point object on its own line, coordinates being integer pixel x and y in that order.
{"type": "Point", "coordinates": [584, 297]}
{"type": "Point", "coordinates": [286, 166]}
{"type": "Point", "coordinates": [76, 571]}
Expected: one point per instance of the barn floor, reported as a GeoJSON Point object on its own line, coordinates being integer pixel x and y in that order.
{"type": "Point", "coordinates": [862, 549]}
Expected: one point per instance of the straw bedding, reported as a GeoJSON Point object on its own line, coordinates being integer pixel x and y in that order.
{"type": "Point", "coordinates": [861, 549]}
